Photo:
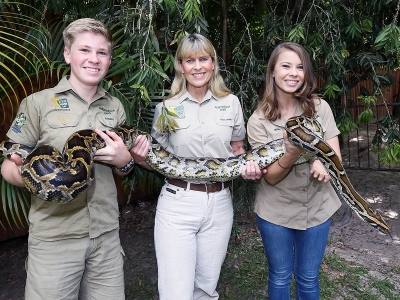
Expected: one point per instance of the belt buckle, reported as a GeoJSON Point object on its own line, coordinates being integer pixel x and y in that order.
{"type": "Point", "coordinates": [207, 186]}
{"type": "Point", "coordinates": [213, 190]}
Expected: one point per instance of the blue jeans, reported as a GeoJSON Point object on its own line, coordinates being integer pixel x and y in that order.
{"type": "Point", "coordinates": [292, 251]}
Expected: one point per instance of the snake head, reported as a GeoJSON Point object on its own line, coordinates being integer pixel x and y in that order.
{"type": "Point", "coordinates": [379, 223]}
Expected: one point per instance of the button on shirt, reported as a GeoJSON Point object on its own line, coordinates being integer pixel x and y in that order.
{"type": "Point", "coordinates": [50, 117]}
{"type": "Point", "coordinates": [299, 201]}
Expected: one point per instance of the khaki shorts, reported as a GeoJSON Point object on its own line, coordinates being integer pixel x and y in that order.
{"type": "Point", "coordinates": [68, 269]}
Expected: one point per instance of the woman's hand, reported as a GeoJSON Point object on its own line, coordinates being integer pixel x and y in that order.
{"type": "Point", "coordinates": [251, 171]}
{"type": "Point", "coordinates": [140, 149]}
{"type": "Point", "coordinates": [319, 172]}
{"type": "Point", "coordinates": [291, 150]}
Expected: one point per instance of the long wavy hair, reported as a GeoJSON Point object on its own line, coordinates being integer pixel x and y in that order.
{"type": "Point", "coordinates": [192, 45]}
{"type": "Point", "coordinates": [305, 94]}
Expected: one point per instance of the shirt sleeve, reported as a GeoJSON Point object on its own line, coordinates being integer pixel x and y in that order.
{"type": "Point", "coordinates": [328, 120]}
{"type": "Point", "coordinates": [239, 129]}
{"type": "Point", "coordinates": [25, 128]}
{"type": "Point", "coordinates": [121, 113]}
{"type": "Point", "coordinates": [257, 134]}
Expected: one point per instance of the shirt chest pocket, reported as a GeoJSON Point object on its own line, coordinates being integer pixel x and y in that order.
{"type": "Point", "coordinates": [106, 121]}
{"type": "Point", "coordinates": [224, 129]}
{"type": "Point", "coordinates": [57, 128]}
{"type": "Point", "coordinates": [62, 121]}
{"type": "Point", "coordinates": [183, 134]}
{"type": "Point", "coordinates": [276, 135]}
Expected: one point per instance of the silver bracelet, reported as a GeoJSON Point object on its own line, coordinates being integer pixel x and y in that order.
{"type": "Point", "coordinates": [128, 166]}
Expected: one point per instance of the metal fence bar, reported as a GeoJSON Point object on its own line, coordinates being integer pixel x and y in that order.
{"type": "Point", "coordinates": [357, 148]}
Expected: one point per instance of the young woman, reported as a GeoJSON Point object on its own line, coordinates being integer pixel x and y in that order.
{"type": "Point", "coordinates": [294, 203]}
{"type": "Point", "coordinates": [194, 219]}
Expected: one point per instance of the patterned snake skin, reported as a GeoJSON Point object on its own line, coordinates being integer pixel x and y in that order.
{"type": "Point", "coordinates": [61, 177]}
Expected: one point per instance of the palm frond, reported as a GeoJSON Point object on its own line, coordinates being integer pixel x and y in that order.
{"type": "Point", "coordinates": [24, 44]}
{"type": "Point", "coordinates": [14, 199]}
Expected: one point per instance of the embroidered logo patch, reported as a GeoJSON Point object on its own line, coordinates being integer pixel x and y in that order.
{"type": "Point", "coordinates": [222, 107]}
{"type": "Point", "coordinates": [60, 103]}
{"type": "Point", "coordinates": [179, 110]}
{"type": "Point", "coordinates": [63, 118]}
{"type": "Point", "coordinates": [106, 111]}
{"type": "Point", "coordinates": [20, 120]}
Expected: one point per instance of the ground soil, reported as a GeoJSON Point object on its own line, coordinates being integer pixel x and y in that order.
{"type": "Point", "coordinates": [354, 241]}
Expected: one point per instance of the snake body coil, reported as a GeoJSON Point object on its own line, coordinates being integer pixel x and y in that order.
{"type": "Point", "coordinates": [61, 177]}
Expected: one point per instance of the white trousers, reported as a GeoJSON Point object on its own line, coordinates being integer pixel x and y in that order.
{"type": "Point", "coordinates": [191, 234]}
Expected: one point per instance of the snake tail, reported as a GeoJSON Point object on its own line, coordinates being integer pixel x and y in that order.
{"type": "Point", "coordinates": [304, 137]}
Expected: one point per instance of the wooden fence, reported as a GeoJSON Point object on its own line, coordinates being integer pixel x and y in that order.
{"type": "Point", "coordinates": [389, 95]}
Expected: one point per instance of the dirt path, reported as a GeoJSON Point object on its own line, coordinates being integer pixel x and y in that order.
{"type": "Point", "coordinates": [355, 241]}
{"type": "Point", "coordinates": [361, 243]}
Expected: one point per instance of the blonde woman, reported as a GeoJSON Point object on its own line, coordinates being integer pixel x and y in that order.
{"type": "Point", "coordinates": [194, 218]}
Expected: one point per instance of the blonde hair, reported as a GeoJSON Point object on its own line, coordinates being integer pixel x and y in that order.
{"type": "Point", "coordinates": [305, 95]}
{"type": "Point", "coordinates": [196, 44]}
{"type": "Point", "coordinates": [85, 25]}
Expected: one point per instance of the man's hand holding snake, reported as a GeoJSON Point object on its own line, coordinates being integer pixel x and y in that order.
{"type": "Point", "coordinates": [115, 152]}
{"type": "Point", "coordinates": [14, 163]}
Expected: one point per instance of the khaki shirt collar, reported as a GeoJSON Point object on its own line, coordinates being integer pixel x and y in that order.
{"type": "Point", "coordinates": [64, 86]}
{"type": "Point", "coordinates": [187, 96]}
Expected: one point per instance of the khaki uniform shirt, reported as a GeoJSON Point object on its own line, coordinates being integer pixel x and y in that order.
{"type": "Point", "coordinates": [206, 129]}
{"type": "Point", "coordinates": [50, 117]}
{"type": "Point", "coordinates": [299, 201]}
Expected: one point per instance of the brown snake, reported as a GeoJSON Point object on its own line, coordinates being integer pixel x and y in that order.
{"type": "Point", "coordinates": [61, 177]}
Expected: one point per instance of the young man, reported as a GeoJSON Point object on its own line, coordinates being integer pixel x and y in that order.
{"type": "Point", "coordinates": [74, 248]}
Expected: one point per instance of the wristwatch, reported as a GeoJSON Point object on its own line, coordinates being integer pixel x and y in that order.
{"type": "Point", "coordinates": [128, 166]}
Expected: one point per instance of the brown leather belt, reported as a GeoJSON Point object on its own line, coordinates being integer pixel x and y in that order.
{"type": "Point", "coordinates": [202, 187]}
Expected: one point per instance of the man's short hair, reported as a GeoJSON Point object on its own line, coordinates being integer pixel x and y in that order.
{"type": "Point", "coordinates": [85, 25]}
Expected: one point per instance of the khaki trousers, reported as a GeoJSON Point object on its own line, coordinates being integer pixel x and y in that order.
{"type": "Point", "coordinates": [81, 268]}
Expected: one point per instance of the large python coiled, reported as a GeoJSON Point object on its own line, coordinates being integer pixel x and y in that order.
{"type": "Point", "coordinates": [60, 178]}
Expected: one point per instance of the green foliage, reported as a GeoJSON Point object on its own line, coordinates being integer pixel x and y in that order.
{"type": "Point", "coordinates": [296, 34]}
{"type": "Point", "coordinates": [386, 141]}
{"type": "Point", "coordinates": [367, 115]}
{"type": "Point", "coordinates": [166, 122]}
{"type": "Point", "coordinates": [24, 48]}
{"type": "Point", "coordinates": [14, 200]}
{"type": "Point", "coordinates": [388, 38]}
{"type": "Point", "coordinates": [348, 41]}
{"type": "Point", "coordinates": [331, 91]}
{"type": "Point", "coordinates": [344, 122]}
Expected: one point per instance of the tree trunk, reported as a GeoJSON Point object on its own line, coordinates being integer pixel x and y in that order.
{"type": "Point", "coordinates": [224, 30]}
